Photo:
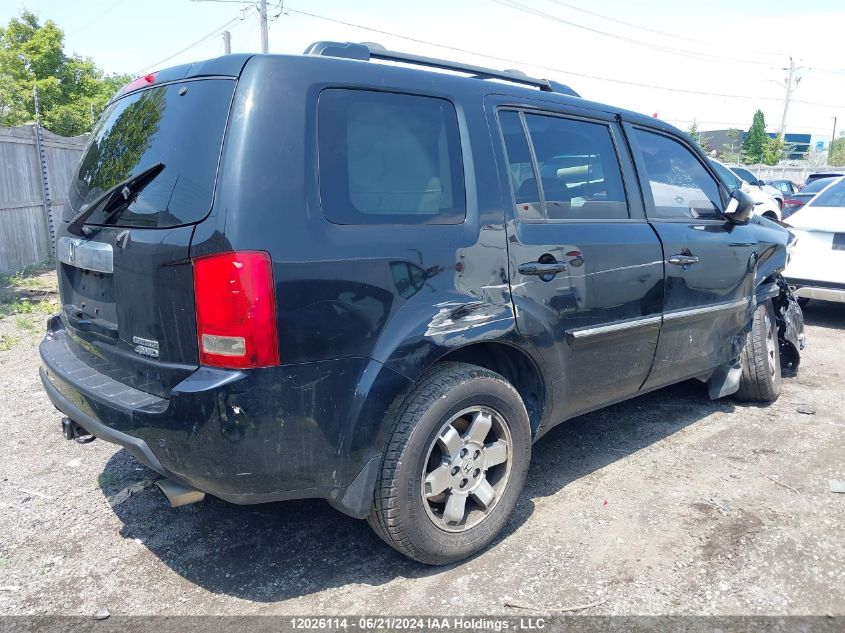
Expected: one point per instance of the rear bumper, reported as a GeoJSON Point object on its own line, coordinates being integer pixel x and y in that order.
{"type": "Point", "coordinates": [822, 290]}
{"type": "Point", "coordinates": [289, 432]}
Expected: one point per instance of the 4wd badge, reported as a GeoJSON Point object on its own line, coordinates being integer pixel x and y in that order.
{"type": "Point", "coordinates": [145, 346]}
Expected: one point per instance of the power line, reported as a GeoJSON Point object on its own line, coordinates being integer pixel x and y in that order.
{"type": "Point", "coordinates": [190, 46]}
{"type": "Point", "coordinates": [96, 17]}
{"type": "Point", "coordinates": [650, 30]}
{"type": "Point", "coordinates": [668, 49]}
{"type": "Point", "coordinates": [687, 53]}
{"type": "Point", "coordinates": [549, 68]}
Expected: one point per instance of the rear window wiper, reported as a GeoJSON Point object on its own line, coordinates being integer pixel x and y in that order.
{"type": "Point", "coordinates": [125, 189]}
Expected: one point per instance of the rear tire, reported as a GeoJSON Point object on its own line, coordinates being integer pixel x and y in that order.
{"type": "Point", "coordinates": [455, 465]}
{"type": "Point", "coordinates": [760, 359]}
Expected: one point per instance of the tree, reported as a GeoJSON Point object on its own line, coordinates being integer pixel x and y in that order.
{"type": "Point", "coordinates": [773, 150]}
{"type": "Point", "coordinates": [69, 87]}
{"type": "Point", "coordinates": [836, 153]}
{"type": "Point", "coordinates": [702, 141]}
{"type": "Point", "coordinates": [730, 152]}
{"type": "Point", "coordinates": [756, 140]}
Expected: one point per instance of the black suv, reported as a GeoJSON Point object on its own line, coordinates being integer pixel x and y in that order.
{"type": "Point", "coordinates": [376, 283]}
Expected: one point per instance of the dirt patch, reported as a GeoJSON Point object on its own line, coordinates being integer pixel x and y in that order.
{"type": "Point", "coordinates": [663, 504]}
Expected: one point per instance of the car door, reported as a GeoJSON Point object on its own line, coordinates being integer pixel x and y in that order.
{"type": "Point", "coordinates": [586, 269]}
{"type": "Point", "coordinates": [710, 262]}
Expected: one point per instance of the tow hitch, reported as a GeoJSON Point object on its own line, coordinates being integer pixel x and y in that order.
{"type": "Point", "coordinates": [72, 431]}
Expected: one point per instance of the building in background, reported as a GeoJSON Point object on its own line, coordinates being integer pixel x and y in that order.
{"type": "Point", "coordinates": [796, 146]}
{"type": "Point", "coordinates": [729, 143]}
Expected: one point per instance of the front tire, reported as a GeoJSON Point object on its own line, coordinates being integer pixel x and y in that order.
{"type": "Point", "coordinates": [760, 359]}
{"type": "Point", "coordinates": [455, 465]}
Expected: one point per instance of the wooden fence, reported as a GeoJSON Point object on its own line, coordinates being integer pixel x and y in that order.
{"type": "Point", "coordinates": [24, 225]}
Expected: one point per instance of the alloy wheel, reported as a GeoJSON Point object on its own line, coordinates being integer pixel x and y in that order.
{"type": "Point", "coordinates": [467, 469]}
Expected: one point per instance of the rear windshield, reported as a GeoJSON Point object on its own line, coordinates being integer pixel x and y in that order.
{"type": "Point", "coordinates": [817, 185]}
{"type": "Point", "coordinates": [179, 125]}
{"type": "Point", "coordinates": [833, 197]}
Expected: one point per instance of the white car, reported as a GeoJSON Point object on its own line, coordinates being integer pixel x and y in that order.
{"type": "Point", "coordinates": [753, 183]}
{"type": "Point", "coordinates": [764, 204]}
{"type": "Point", "coordinates": [816, 268]}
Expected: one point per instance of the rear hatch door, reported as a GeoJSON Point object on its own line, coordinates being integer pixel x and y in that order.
{"type": "Point", "coordinates": [125, 275]}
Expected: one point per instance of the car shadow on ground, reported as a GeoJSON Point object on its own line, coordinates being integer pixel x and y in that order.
{"type": "Point", "coordinates": [289, 549]}
{"type": "Point", "coordinates": [825, 314]}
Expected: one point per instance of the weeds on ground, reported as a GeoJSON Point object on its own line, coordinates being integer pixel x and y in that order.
{"type": "Point", "coordinates": [27, 292]}
{"type": "Point", "coordinates": [8, 341]}
{"type": "Point", "coordinates": [29, 277]}
{"type": "Point", "coordinates": [23, 322]}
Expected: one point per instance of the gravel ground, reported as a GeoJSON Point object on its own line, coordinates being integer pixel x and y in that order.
{"type": "Point", "coordinates": [666, 504]}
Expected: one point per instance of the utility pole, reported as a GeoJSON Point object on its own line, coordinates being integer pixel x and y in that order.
{"type": "Point", "coordinates": [262, 17]}
{"type": "Point", "coordinates": [227, 42]}
{"type": "Point", "coordinates": [790, 84]}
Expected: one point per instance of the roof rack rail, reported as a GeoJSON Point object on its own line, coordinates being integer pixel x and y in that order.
{"type": "Point", "coordinates": [366, 52]}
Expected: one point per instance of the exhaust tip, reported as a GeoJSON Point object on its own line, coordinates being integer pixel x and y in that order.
{"type": "Point", "coordinates": [179, 495]}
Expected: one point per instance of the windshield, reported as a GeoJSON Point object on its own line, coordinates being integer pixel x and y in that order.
{"type": "Point", "coordinates": [726, 175]}
{"type": "Point", "coordinates": [832, 197]}
{"type": "Point", "coordinates": [180, 125]}
{"type": "Point", "coordinates": [746, 175]}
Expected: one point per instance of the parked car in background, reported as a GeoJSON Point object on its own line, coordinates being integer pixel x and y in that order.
{"type": "Point", "coordinates": [807, 193]}
{"type": "Point", "coordinates": [786, 187]}
{"type": "Point", "coordinates": [823, 174]}
{"type": "Point", "coordinates": [753, 182]}
{"type": "Point", "coordinates": [764, 204]}
{"type": "Point", "coordinates": [816, 268]}
{"type": "Point", "coordinates": [449, 268]}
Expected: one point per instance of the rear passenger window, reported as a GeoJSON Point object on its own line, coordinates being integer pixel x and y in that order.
{"type": "Point", "coordinates": [520, 166]}
{"type": "Point", "coordinates": [680, 185]}
{"type": "Point", "coordinates": [577, 169]}
{"type": "Point", "coordinates": [388, 158]}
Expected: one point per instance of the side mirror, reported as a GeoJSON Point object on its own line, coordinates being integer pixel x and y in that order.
{"type": "Point", "coordinates": [740, 207]}
{"type": "Point", "coordinates": [761, 183]}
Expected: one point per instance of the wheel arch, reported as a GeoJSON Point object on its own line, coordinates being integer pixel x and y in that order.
{"type": "Point", "coordinates": [514, 365]}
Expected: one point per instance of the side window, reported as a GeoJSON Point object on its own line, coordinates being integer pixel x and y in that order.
{"type": "Point", "coordinates": [680, 185]}
{"type": "Point", "coordinates": [577, 169]}
{"type": "Point", "coordinates": [388, 158]}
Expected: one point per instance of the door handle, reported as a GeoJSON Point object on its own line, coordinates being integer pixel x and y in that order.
{"type": "Point", "coordinates": [683, 260]}
{"type": "Point", "coordinates": [536, 268]}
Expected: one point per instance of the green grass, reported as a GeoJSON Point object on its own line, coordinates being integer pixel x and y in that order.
{"type": "Point", "coordinates": [23, 322]}
{"type": "Point", "coordinates": [11, 306]}
{"type": "Point", "coordinates": [8, 341]}
{"type": "Point", "coordinates": [28, 278]}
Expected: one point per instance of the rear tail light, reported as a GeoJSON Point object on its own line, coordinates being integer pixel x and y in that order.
{"type": "Point", "coordinates": [792, 202]}
{"type": "Point", "coordinates": [236, 310]}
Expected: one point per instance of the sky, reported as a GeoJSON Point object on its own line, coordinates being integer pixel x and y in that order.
{"type": "Point", "coordinates": [712, 62]}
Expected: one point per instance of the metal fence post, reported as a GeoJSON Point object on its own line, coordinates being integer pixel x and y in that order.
{"type": "Point", "coordinates": [45, 182]}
